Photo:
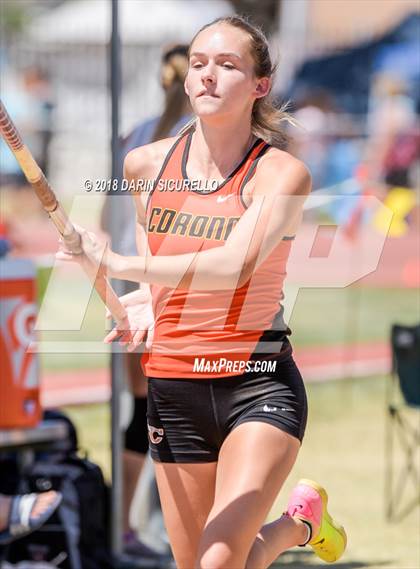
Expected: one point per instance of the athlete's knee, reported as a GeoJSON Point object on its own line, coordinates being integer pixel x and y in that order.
{"type": "Point", "coordinates": [220, 555]}
{"type": "Point", "coordinates": [221, 551]}
{"type": "Point", "coordinates": [223, 556]}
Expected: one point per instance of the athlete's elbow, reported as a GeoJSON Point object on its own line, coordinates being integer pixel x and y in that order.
{"type": "Point", "coordinates": [233, 276]}
{"type": "Point", "coordinates": [224, 272]}
{"type": "Point", "coordinates": [222, 277]}
{"type": "Point", "coordinates": [236, 270]}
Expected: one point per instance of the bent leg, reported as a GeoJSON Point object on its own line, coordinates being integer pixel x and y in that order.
{"type": "Point", "coordinates": [254, 461]}
{"type": "Point", "coordinates": [273, 539]}
{"type": "Point", "coordinates": [186, 493]}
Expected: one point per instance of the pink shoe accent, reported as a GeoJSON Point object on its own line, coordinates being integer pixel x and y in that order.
{"type": "Point", "coordinates": [306, 503]}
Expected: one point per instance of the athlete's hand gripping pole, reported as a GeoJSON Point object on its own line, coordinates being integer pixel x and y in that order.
{"type": "Point", "coordinates": [71, 238]}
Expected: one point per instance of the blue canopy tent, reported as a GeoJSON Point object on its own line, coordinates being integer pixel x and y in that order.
{"type": "Point", "coordinates": [347, 75]}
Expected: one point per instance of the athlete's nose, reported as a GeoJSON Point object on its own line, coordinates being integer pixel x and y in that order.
{"type": "Point", "coordinates": [208, 77]}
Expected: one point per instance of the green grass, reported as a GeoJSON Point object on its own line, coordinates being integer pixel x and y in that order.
{"type": "Point", "coordinates": [335, 316]}
{"type": "Point", "coordinates": [60, 310]}
{"type": "Point", "coordinates": [343, 449]}
{"type": "Point", "coordinates": [42, 277]}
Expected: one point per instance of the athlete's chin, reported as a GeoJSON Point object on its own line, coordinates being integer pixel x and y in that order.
{"type": "Point", "coordinates": [211, 109]}
{"type": "Point", "coordinates": [207, 105]}
{"type": "Point", "coordinates": [207, 113]}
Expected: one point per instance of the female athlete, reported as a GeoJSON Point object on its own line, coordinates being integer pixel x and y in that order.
{"type": "Point", "coordinates": [226, 403]}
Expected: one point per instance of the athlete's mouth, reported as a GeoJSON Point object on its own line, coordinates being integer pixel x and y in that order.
{"type": "Point", "coordinates": [207, 94]}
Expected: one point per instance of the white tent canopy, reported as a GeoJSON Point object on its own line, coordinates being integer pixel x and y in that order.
{"type": "Point", "coordinates": [141, 21]}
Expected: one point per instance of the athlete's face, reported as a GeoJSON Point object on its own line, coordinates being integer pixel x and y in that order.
{"type": "Point", "coordinates": [221, 80]}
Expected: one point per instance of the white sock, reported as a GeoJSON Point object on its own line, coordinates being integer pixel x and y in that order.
{"type": "Point", "coordinates": [309, 534]}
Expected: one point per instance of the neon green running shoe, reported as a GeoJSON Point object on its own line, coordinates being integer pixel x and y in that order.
{"type": "Point", "coordinates": [308, 502]}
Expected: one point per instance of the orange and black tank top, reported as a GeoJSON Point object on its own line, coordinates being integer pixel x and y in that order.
{"type": "Point", "coordinates": [206, 334]}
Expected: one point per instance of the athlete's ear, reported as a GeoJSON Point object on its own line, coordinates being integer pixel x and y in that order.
{"type": "Point", "coordinates": [186, 88]}
{"type": "Point", "coordinates": [263, 87]}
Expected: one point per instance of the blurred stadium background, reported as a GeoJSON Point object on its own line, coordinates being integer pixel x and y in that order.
{"type": "Point", "coordinates": [351, 71]}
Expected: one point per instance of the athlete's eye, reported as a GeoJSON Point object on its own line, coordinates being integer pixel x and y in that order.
{"type": "Point", "coordinates": [228, 66]}
{"type": "Point", "coordinates": [197, 65]}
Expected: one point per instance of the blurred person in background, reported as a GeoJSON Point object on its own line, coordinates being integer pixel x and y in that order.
{"type": "Point", "coordinates": [329, 142]}
{"type": "Point", "coordinates": [28, 100]}
{"type": "Point", "coordinates": [391, 163]}
{"type": "Point", "coordinates": [315, 115]}
{"type": "Point", "coordinates": [27, 97]}
{"type": "Point", "coordinates": [16, 101]}
{"type": "Point", "coordinates": [38, 89]}
{"type": "Point", "coordinates": [393, 145]}
{"type": "Point", "coordinates": [176, 113]}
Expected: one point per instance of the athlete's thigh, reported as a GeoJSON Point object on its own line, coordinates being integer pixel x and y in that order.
{"type": "Point", "coordinates": [186, 493]}
{"type": "Point", "coordinates": [254, 461]}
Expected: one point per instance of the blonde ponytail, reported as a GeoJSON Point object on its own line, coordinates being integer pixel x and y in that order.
{"type": "Point", "coordinates": [173, 71]}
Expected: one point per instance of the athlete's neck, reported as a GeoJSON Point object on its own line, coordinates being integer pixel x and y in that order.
{"type": "Point", "coordinates": [215, 151]}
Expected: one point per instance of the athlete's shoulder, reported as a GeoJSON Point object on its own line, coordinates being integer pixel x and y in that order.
{"type": "Point", "coordinates": [279, 165]}
{"type": "Point", "coordinates": [145, 161]}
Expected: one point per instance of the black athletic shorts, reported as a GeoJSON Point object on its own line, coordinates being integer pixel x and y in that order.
{"type": "Point", "coordinates": [188, 419]}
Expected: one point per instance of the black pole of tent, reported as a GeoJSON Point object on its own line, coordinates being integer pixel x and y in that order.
{"type": "Point", "coordinates": [117, 362]}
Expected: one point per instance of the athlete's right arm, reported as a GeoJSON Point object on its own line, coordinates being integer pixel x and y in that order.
{"type": "Point", "coordinates": [142, 163]}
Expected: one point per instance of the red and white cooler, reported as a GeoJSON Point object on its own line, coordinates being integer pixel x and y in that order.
{"type": "Point", "coordinates": [19, 371]}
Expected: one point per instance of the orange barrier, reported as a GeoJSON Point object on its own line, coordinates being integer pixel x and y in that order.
{"type": "Point", "coordinates": [19, 375]}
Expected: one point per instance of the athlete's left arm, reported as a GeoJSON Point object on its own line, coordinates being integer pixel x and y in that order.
{"type": "Point", "coordinates": [282, 184]}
